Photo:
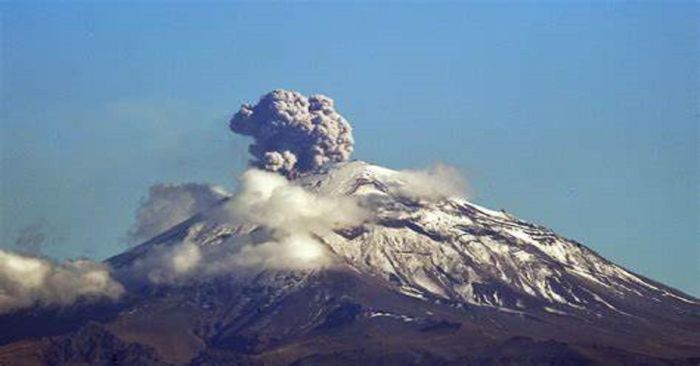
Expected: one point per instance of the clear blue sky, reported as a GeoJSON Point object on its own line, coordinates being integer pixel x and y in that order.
{"type": "Point", "coordinates": [582, 117]}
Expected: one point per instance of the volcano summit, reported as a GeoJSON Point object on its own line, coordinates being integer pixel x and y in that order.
{"type": "Point", "coordinates": [321, 260]}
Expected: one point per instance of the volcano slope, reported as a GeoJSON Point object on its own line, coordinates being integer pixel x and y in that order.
{"type": "Point", "coordinates": [437, 281]}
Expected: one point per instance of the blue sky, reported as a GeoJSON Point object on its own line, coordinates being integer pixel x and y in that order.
{"type": "Point", "coordinates": [581, 117]}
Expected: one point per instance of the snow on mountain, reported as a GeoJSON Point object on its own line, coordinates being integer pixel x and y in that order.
{"type": "Point", "coordinates": [448, 249]}
{"type": "Point", "coordinates": [455, 250]}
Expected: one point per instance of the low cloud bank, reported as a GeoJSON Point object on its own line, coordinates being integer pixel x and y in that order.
{"type": "Point", "coordinates": [26, 281]}
{"type": "Point", "coordinates": [169, 204]}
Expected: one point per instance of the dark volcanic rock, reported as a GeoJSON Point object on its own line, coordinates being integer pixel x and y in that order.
{"type": "Point", "coordinates": [343, 314]}
{"type": "Point", "coordinates": [94, 345]}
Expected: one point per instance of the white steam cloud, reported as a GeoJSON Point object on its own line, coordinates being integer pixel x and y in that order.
{"type": "Point", "coordinates": [294, 218]}
{"type": "Point", "coordinates": [26, 281]}
{"type": "Point", "coordinates": [170, 265]}
{"type": "Point", "coordinates": [274, 202]}
{"type": "Point", "coordinates": [434, 183]}
{"type": "Point", "coordinates": [169, 204]}
{"type": "Point", "coordinates": [288, 222]}
{"type": "Point", "coordinates": [292, 133]}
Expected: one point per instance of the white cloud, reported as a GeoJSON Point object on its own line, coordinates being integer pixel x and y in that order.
{"type": "Point", "coordinates": [437, 182]}
{"type": "Point", "coordinates": [294, 217]}
{"type": "Point", "coordinates": [270, 200]}
{"type": "Point", "coordinates": [290, 221]}
{"type": "Point", "coordinates": [26, 281]}
{"type": "Point", "coordinates": [171, 264]}
{"type": "Point", "coordinates": [289, 251]}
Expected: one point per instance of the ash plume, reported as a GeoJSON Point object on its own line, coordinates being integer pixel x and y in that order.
{"type": "Point", "coordinates": [294, 134]}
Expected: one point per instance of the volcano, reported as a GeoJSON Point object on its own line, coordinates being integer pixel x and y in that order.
{"type": "Point", "coordinates": [424, 282]}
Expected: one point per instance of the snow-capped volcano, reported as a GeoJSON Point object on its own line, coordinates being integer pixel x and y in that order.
{"type": "Point", "coordinates": [455, 250]}
{"type": "Point", "coordinates": [320, 260]}
{"type": "Point", "coordinates": [446, 248]}
{"type": "Point", "coordinates": [424, 278]}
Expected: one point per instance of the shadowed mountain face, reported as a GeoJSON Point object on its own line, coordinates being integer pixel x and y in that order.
{"type": "Point", "coordinates": [423, 282]}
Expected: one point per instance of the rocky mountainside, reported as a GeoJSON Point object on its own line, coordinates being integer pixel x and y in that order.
{"type": "Point", "coordinates": [455, 251]}
{"type": "Point", "coordinates": [434, 281]}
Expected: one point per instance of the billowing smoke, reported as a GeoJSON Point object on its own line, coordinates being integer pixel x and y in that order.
{"type": "Point", "coordinates": [26, 281]}
{"type": "Point", "coordinates": [294, 134]}
{"type": "Point", "coordinates": [434, 183]}
{"type": "Point", "coordinates": [169, 204]}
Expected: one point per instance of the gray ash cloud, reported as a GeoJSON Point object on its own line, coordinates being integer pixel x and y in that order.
{"type": "Point", "coordinates": [294, 134]}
